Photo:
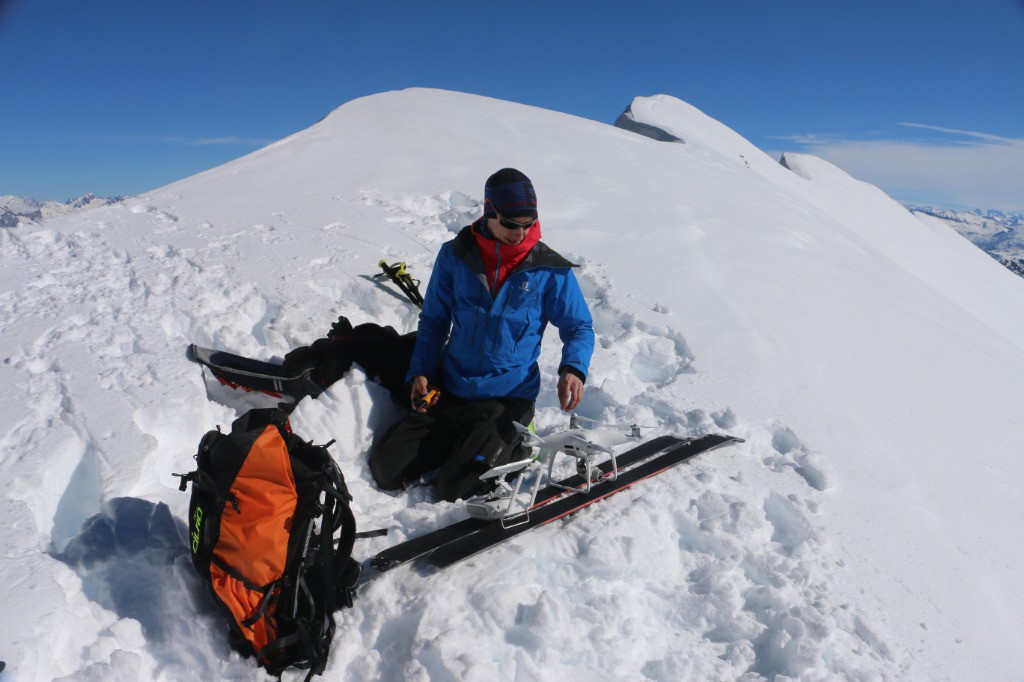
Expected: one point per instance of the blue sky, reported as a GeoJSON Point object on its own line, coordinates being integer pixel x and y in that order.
{"type": "Point", "coordinates": [923, 98]}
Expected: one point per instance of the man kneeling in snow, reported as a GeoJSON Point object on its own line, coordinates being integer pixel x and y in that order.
{"type": "Point", "coordinates": [494, 288]}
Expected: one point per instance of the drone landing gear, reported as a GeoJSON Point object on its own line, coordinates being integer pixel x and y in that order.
{"type": "Point", "coordinates": [511, 502]}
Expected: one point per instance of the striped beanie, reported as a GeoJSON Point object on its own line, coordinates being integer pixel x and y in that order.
{"type": "Point", "coordinates": [511, 193]}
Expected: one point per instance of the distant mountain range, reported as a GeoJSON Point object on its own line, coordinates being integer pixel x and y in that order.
{"type": "Point", "coordinates": [998, 233]}
{"type": "Point", "coordinates": [15, 209]}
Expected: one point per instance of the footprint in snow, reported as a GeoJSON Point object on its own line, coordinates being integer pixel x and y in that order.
{"type": "Point", "coordinates": [790, 452]}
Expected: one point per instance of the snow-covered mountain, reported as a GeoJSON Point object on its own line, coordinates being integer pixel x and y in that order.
{"type": "Point", "coordinates": [979, 222]}
{"type": "Point", "coordinates": [17, 209]}
{"type": "Point", "coordinates": [999, 233]}
{"type": "Point", "coordinates": [867, 529]}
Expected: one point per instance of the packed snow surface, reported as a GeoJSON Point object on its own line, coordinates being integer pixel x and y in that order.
{"type": "Point", "coordinates": [874, 363]}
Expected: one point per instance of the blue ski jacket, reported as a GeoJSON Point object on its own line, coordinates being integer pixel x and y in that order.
{"type": "Point", "coordinates": [476, 346]}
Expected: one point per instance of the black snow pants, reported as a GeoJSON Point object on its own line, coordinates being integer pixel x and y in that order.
{"type": "Point", "coordinates": [462, 438]}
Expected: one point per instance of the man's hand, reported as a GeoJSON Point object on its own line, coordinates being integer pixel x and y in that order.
{"type": "Point", "coordinates": [570, 391]}
{"type": "Point", "coordinates": [422, 395]}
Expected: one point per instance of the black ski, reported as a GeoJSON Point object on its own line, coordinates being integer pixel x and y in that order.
{"type": "Point", "coordinates": [462, 548]}
{"type": "Point", "coordinates": [423, 544]}
{"type": "Point", "coordinates": [238, 371]}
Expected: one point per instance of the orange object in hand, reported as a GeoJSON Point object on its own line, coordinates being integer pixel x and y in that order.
{"type": "Point", "coordinates": [427, 400]}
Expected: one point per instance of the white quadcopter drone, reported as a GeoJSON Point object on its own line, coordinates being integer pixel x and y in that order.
{"type": "Point", "coordinates": [511, 504]}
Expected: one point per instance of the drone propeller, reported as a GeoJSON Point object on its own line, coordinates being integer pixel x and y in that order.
{"type": "Point", "coordinates": [576, 417]}
{"type": "Point", "coordinates": [600, 441]}
{"type": "Point", "coordinates": [531, 437]}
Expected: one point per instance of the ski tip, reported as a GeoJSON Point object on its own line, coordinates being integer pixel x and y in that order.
{"type": "Point", "coordinates": [190, 353]}
{"type": "Point", "coordinates": [726, 438]}
{"type": "Point", "coordinates": [721, 437]}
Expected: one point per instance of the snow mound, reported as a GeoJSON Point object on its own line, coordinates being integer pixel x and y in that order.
{"type": "Point", "coordinates": [668, 119]}
{"type": "Point", "coordinates": [627, 121]}
{"type": "Point", "coordinates": [872, 363]}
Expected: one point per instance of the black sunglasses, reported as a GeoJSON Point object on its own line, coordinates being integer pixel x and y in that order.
{"type": "Point", "coordinates": [510, 224]}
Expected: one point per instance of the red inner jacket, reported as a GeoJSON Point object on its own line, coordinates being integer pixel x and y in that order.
{"type": "Point", "coordinates": [500, 258]}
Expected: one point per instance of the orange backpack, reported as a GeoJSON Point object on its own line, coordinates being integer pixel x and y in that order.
{"type": "Point", "coordinates": [263, 518]}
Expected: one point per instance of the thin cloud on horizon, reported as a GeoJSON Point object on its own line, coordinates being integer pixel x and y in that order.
{"type": "Point", "coordinates": [967, 133]}
{"type": "Point", "coordinates": [984, 171]}
{"type": "Point", "coordinates": [232, 140]}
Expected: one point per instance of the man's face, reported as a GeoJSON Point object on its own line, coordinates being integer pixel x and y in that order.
{"type": "Point", "coordinates": [506, 235]}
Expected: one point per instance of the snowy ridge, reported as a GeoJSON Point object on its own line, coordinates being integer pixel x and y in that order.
{"type": "Point", "coordinates": [855, 534]}
{"type": "Point", "coordinates": [679, 121]}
